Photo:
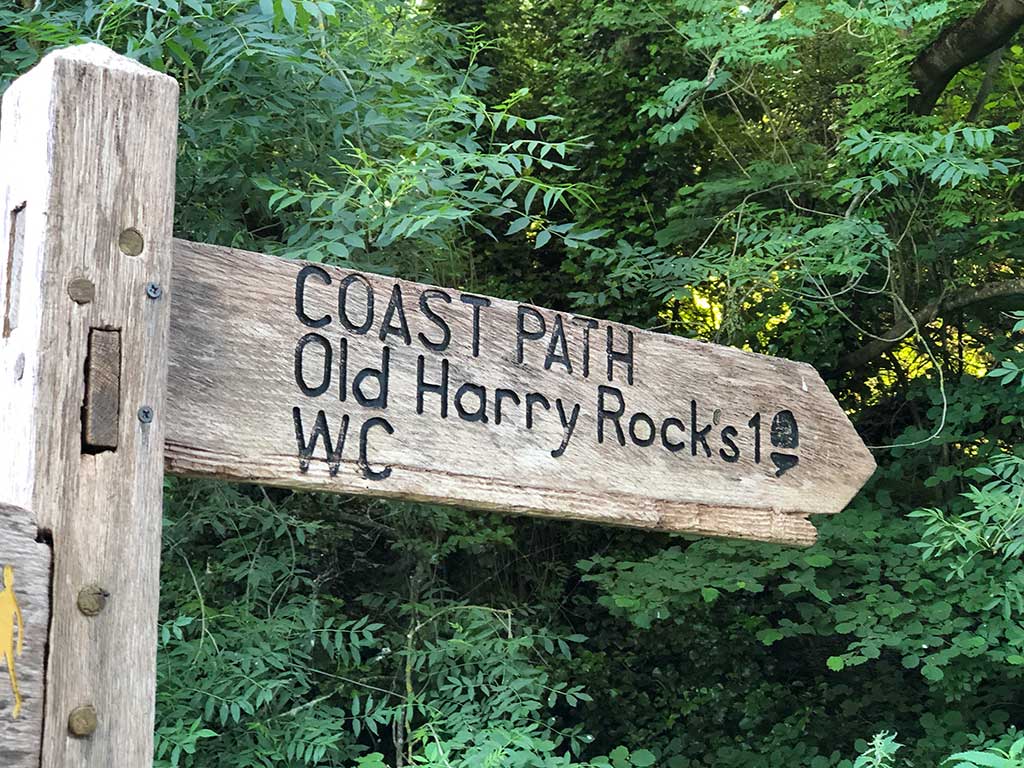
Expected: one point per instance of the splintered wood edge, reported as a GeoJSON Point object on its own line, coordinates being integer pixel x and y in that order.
{"type": "Point", "coordinates": [96, 55]}
{"type": "Point", "coordinates": [624, 511]}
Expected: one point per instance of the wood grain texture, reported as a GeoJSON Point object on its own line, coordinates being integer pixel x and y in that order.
{"type": "Point", "coordinates": [24, 615]}
{"type": "Point", "coordinates": [711, 440]}
{"type": "Point", "coordinates": [102, 390]}
{"type": "Point", "coordinates": [87, 150]}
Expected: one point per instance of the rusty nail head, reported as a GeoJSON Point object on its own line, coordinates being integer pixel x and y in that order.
{"type": "Point", "coordinates": [82, 720]}
{"type": "Point", "coordinates": [154, 291]}
{"type": "Point", "coordinates": [92, 600]}
{"type": "Point", "coordinates": [145, 414]}
{"type": "Point", "coordinates": [131, 242]}
{"type": "Point", "coordinates": [81, 290]}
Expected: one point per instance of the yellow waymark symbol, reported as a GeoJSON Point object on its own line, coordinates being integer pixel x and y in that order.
{"type": "Point", "coordinates": [10, 613]}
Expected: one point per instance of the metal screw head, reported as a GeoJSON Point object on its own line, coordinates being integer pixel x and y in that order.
{"type": "Point", "coordinates": [81, 290]}
{"type": "Point", "coordinates": [92, 600]}
{"type": "Point", "coordinates": [83, 721]}
{"type": "Point", "coordinates": [131, 242]}
{"type": "Point", "coordinates": [145, 414]}
{"type": "Point", "coordinates": [154, 291]}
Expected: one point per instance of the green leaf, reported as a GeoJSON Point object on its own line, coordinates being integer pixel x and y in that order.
{"type": "Point", "coordinates": [933, 673]}
{"type": "Point", "coordinates": [769, 636]}
{"type": "Point", "coordinates": [911, 661]}
{"type": "Point", "coordinates": [985, 759]}
{"type": "Point", "coordinates": [518, 225]}
{"type": "Point", "coordinates": [642, 758]}
{"type": "Point", "coordinates": [619, 757]}
{"type": "Point", "coordinates": [289, 11]}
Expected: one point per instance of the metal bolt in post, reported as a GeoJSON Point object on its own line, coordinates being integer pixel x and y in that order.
{"type": "Point", "coordinates": [82, 721]}
{"type": "Point", "coordinates": [92, 600]}
{"type": "Point", "coordinates": [81, 290]}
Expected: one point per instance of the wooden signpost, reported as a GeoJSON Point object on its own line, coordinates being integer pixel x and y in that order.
{"type": "Point", "coordinates": [307, 376]}
{"type": "Point", "coordinates": [126, 355]}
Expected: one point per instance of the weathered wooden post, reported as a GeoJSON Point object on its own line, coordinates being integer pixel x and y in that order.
{"type": "Point", "coordinates": [87, 153]}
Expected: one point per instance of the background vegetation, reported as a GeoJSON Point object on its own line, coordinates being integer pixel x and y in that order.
{"type": "Point", "coordinates": [829, 180]}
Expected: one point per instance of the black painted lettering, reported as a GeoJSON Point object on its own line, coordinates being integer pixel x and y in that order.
{"type": "Point", "coordinates": [395, 310]}
{"type": "Point", "coordinates": [615, 356]}
{"type": "Point", "coordinates": [342, 368]}
{"type": "Point", "coordinates": [479, 411]}
{"type": "Point", "coordinates": [320, 429]}
{"type": "Point", "coordinates": [436, 319]}
{"type": "Point", "coordinates": [524, 335]}
{"type": "Point", "coordinates": [755, 424]}
{"type": "Point", "coordinates": [785, 433]}
{"type": "Point", "coordinates": [423, 387]}
{"type": "Point", "coordinates": [499, 395]}
{"type": "Point", "coordinates": [698, 435]}
{"type": "Point", "coordinates": [568, 426]}
{"type": "Point", "coordinates": [343, 315]}
{"type": "Point", "coordinates": [477, 302]}
{"type": "Point", "coordinates": [532, 399]}
{"type": "Point", "coordinates": [300, 356]}
{"type": "Point", "coordinates": [729, 441]}
{"type": "Point", "coordinates": [381, 376]}
{"type": "Point", "coordinates": [783, 462]}
{"type": "Point", "coordinates": [648, 426]}
{"type": "Point", "coordinates": [612, 416]}
{"type": "Point", "coordinates": [364, 463]}
{"type": "Point", "coordinates": [558, 348]}
{"type": "Point", "coordinates": [588, 325]}
{"type": "Point", "coordinates": [674, 447]}
{"type": "Point", "coordinates": [300, 295]}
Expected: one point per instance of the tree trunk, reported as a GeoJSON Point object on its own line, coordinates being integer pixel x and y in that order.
{"type": "Point", "coordinates": [960, 45]}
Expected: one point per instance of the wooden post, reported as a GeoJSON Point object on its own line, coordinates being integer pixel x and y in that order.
{"type": "Point", "coordinates": [87, 154]}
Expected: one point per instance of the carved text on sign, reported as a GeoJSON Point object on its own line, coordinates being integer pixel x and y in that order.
{"type": "Point", "coordinates": [604, 353]}
{"type": "Point", "coordinates": [305, 375]}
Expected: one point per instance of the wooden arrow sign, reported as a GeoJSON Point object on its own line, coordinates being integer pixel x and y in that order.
{"type": "Point", "coordinates": [306, 376]}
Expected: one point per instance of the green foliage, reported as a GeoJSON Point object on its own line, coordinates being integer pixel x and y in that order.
{"type": "Point", "coordinates": [881, 753]}
{"type": "Point", "coordinates": [265, 661]}
{"type": "Point", "coordinates": [330, 133]}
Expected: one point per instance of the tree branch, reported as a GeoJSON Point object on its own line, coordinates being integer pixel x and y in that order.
{"type": "Point", "coordinates": [960, 45]}
{"type": "Point", "coordinates": [957, 300]}
{"type": "Point", "coordinates": [716, 62]}
{"type": "Point", "coordinates": [991, 70]}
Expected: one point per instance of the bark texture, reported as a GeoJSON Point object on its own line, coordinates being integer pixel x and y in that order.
{"type": "Point", "coordinates": [961, 45]}
{"type": "Point", "coordinates": [957, 300]}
